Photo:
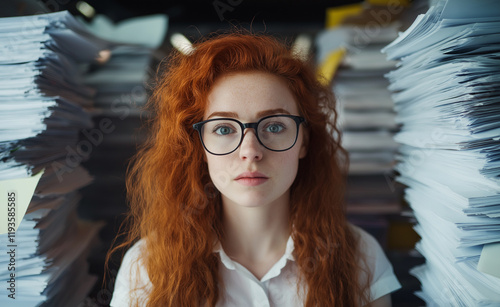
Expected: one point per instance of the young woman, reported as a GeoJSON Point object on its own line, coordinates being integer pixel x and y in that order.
{"type": "Point", "coordinates": [237, 199]}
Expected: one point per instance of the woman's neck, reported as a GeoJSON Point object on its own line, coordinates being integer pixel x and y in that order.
{"type": "Point", "coordinates": [256, 237]}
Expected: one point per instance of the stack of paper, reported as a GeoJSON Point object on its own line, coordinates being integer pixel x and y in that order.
{"type": "Point", "coordinates": [366, 115]}
{"type": "Point", "coordinates": [365, 107]}
{"type": "Point", "coordinates": [120, 98]}
{"type": "Point", "coordinates": [43, 106]}
{"type": "Point", "coordinates": [121, 92]}
{"type": "Point", "coordinates": [447, 97]}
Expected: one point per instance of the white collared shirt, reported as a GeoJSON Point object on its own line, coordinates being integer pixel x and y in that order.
{"type": "Point", "coordinates": [278, 287]}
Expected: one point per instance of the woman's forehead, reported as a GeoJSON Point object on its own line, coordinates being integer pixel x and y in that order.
{"type": "Point", "coordinates": [250, 93]}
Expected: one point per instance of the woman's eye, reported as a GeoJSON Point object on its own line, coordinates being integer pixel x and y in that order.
{"type": "Point", "coordinates": [274, 128]}
{"type": "Point", "coordinates": [223, 130]}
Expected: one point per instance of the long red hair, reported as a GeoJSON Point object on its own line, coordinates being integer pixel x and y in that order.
{"type": "Point", "coordinates": [174, 206]}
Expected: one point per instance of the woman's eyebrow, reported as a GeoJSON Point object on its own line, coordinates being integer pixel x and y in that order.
{"type": "Point", "coordinates": [224, 114]}
{"type": "Point", "coordinates": [272, 112]}
{"type": "Point", "coordinates": [259, 115]}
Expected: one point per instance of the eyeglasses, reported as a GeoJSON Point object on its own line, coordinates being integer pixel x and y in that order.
{"type": "Point", "coordinates": [222, 136]}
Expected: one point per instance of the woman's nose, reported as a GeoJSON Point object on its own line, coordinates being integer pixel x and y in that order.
{"type": "Point", "coordinates": [250, 148]}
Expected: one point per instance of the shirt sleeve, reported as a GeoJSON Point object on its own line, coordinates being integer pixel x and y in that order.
{"type": "Point", "coordinates": [383, 279]}
{"type": "Point", "coordinates": [132, 281]}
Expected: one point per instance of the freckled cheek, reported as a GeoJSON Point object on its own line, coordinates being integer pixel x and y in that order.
{"type": "Point", "coordinates": [221, 171]}
{"type": "Point", "coordinates": [287, 165]}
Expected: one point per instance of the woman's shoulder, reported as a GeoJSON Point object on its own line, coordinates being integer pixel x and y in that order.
{"type": "Point", "coordinates": [366, 242]}
{"type": "Point", "coordinates": [132, 280]}
{"type": "Point", "coordinates": [133, 262]}
{"type": "Point", "coordinates": [136, 251]}
{"type": "Point", "coordinates": [370, 250]}
{"type": "Point", "coordinates": [375, 262]}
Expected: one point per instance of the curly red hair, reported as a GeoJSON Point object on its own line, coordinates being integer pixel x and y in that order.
{"type": "Point", "coordinates": [175, 207]}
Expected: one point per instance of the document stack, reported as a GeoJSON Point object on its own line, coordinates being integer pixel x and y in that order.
{"type": "Point", "coordinates": [447, 97]}
{"type": "Point", "coordinates": [121, 93]}
{"type": "Point", "coordinates": [365, 107]}
{"type": "Point", "coordinates": [120, 97]}
{"type": "Point", "coordinates": [366, 115]}
{"type": "Point", "coordinates": [43, 107]}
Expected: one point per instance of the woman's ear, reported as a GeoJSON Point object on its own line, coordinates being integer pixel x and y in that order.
{"type": "Point", "coordinates": [305, 143]}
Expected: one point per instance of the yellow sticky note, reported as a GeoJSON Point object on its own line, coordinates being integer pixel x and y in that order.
{"type": "Point", "coordinates": [15, 197]}
{"type": "Point", "coordinates": [489, 262]}
{"type": "Point", "coordinates": [328, 68]}
{"type": "Point", "coordinates": [335, 15]}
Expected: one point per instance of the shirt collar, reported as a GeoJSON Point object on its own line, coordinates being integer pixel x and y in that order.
{"type": "Point", "coordinates": [275, 270]}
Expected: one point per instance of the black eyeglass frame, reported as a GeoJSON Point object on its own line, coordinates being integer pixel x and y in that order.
{"type": "Point", "coordinates": [298, 120]}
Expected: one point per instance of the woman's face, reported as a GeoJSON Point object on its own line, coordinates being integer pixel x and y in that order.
{"type": "Point", "coordinates": [252, 175]}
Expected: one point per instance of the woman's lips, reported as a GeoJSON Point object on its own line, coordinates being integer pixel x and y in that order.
{"type": "Point", "coordinates": [251, 178]}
